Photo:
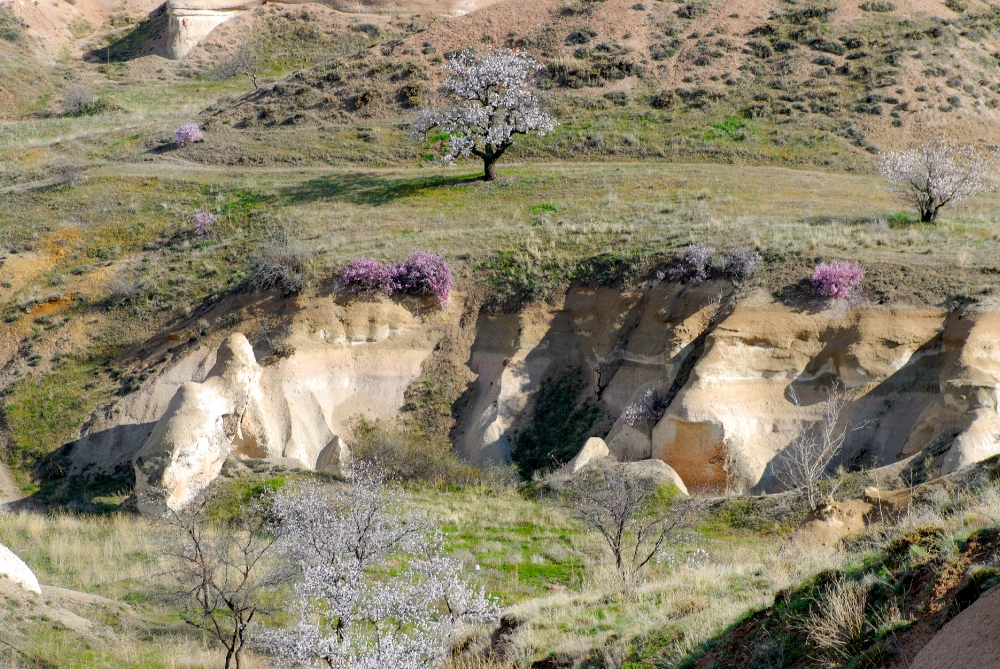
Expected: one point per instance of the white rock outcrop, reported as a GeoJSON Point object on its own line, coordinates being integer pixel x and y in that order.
{"type": "Point", "coordinates": [655, 470]}
{"type": "Point", "coordinates": [593, 449]}
{"type": "Point", "coordinates": [13, 567]}
{"type": "Point", "coordinates": [190, 21]}
{"type": "Point", "coordinates": [191, 441]}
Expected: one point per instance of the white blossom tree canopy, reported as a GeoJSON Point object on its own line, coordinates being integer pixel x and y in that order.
{"type": "Point", "coordinates": [376, 590]}
{"type": "Point", "coordinates": [494, 104]}
{"type": "Point", "coordinates": [936, 174]}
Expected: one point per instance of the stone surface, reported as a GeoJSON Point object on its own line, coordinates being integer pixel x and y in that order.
{"type": "Point", "coordinates": [656, 470]}
{"type": "Point", "coordinates": [971, 640]}
{"type": "Point", "coordinates": [830, 523]}
{"type": "Point", "coordinates": [13, 568]}
{"type": "Point", "coordinates": [191, 441]}
{"type": "Point", "coordinates": [187, 27]}
{"type": "Point", "coordinates": [593, 449]}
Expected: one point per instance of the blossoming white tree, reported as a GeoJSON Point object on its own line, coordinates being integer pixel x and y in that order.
{"type": "Point", "coordinates": [935, 175]}
{"type": "Point", "coordinates": [376, 590]}
{"type": "Point", "coordinates": [494, 104]}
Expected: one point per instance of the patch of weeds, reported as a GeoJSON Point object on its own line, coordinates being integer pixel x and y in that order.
{"type": "Point", "coordinates": [41, 413]}
{"type": "Point", "coordinates": [516, 280]}
{"type": "Point", "coordinates": [539, 208]}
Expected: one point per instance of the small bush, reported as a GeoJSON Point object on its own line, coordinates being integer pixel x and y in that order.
{"type": "Point", "coordinates": [407, 455]}
{"type": "Point", "coordinates": [878, 6]}
{"type": "Point", "coordinates": [187, 134]}
{"type": "Point", "coordinates": [694, 266]}
{"type": "Point", "coordinates": [281, 261]}
{"type": "Point", "coordinates": [425, 274]}
{"type": "Point", "coordinates": [837, 280]}
{"type": "Point", "coordinates": [648, 409]}
{"type": "Point", "coordinates": [743, 263]}
{"type": "Point", "coordinates": [368, 276]}
{"type": "Point", "coordinates": [203, 220]}
{"type": "Point", "coordinates": [78, 100]}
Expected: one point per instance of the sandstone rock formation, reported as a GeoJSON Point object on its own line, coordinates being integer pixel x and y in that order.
{"type": "Point", "coordinates": [594, 449]}
{"type": "Point", "coordinates": [655, 470]}
{"type": "Point", "coordinates": [13, 568]}
{"type": "Point", "coordinates": [191, 441]}
{"type": "Point", "coordinates": [189, 21]}
{"type": "Point", "coordinates": [340, 361]}
{"type": "Point", "coordinates": [914, 379]}
{"type": "Point", "coordinates": [830, 523]}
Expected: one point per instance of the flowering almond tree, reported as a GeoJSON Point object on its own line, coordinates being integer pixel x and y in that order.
{"type": "Point", "coordinates": [935, 175]}
{"type": "Point", "coordinates": [494, 104]}
{"type": "Point", "coordinates": [376, 589]}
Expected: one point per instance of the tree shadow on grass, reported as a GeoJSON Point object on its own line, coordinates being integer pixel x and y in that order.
{"type": "Point", "coordinates": [370, 189]}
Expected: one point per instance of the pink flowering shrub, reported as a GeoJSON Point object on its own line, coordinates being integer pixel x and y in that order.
{"type": "Point", "coordinates": [203, 220]}
{"type": "Point", "coordinates": [425, 274]}
{"type": "Point", "coordinates": [186, 134]}
{"type": "Point", "coordinates": [838, 279]}
{"type": "Point", "coordinates": [421, 274]}
{"type": "Point", "coordinates": [368, 276]}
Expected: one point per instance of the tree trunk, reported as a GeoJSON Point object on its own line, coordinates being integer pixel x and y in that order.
{"type": "Point", "coordinates": [489, 169]}
{"type": "Point", "coordinates": [927, 216]}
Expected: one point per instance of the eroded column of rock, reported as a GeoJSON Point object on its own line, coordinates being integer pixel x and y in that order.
{"type": "Point", "coordinates": [191, 441]}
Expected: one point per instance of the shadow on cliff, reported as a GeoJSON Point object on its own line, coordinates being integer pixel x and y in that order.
{"type": "Point", "coordinates": [889, 422]}
{"type": "Point", "coordinates": [146, 38]}
{"type": "Point", "coordinates": [370, 189]}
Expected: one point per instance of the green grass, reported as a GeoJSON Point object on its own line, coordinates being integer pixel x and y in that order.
{"type": "Point", "coordinates": [41, 413]}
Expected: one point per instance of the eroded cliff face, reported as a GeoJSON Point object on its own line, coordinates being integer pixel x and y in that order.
{"type": "Point", "coordinates": [744, 378]}
{"type": "Point", "coordinates": [336, 362]}
{"type": "Point", "coordinates": [738, 379]}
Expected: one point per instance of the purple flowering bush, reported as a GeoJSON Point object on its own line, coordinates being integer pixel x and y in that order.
{"type": "Point", "coordinates": [187, 134]}
{"type": "Point", "coordinates": [694, 267]}
{"type": "Point", "coordinates": [203, 220]}
{"type": "Point", "coordinates": [425, 274]}
{"type": "Point", "coordinates": [421, 274]}
{"type": "Point", "coordinates": [838, 279]}
{"type": "Point", "coordinates": [368, 276]}
{"type": "Point", "coordinates": [743, 263]}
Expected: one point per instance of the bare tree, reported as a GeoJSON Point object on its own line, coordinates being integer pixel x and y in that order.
{"type": "Point", "coordinates": [225, 570]}
{"type": "Point", "coordinates": [494, 104]}
{"type": "Point", "coordinates": [629, 512]}
{"type": "Point", "coordinates": [806, 460]}
{"type": "Point", "coordinates": [78, 99]}
{"type": "Point", "coordinates": [244, 62]}
{"type": "Point", "coordinates": [936, 174]}
{"type": "Point", "coordinates": [376, 589]}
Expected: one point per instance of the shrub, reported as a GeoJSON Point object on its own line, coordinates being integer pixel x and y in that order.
{"type": "Point", "coordinates": [694, 266]}
{"type": "Point", "coordinates": [281, 260]}
{"type": "Point", "coordinates": [743, 263]}
{"type": "Point", "coordinates": [425, 274]}
{"type": "Point", "coordinates": [186, 134]}
{"type": "Point", "coordinates": [838, 279]}
{"type": "Point", "coordinates": [649, 408]}
{"type": "Point", "coordinates": [368, 276]}
{"type": "Point", "coordinates": [78, 100]}
{"type": "Point", "coordinates": [203, 220]}
{"type": "Point", "coordinates": [421, 274]}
